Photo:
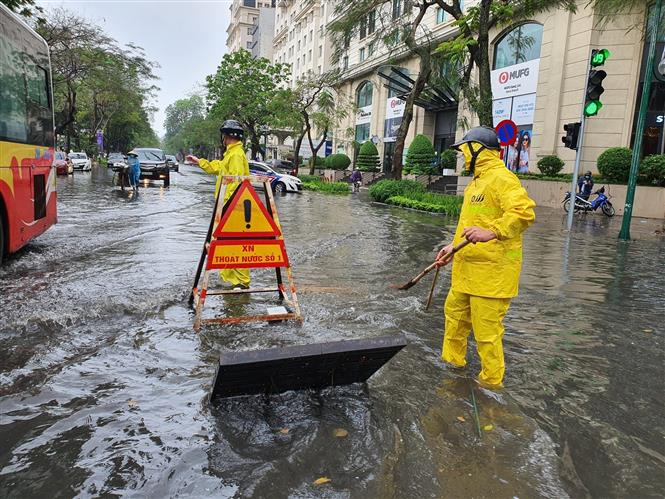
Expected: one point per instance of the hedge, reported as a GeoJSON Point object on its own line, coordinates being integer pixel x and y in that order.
{"type": "Point", "coordinates": [327, 187]}
{"type": "Point", "coordinates": [420, 156]}
{"type": "Point", "coordinates": [338, 162]}
{"type": "Point", "coordinates": [653, 168]}
{"type": "Point", "coordinates": [385, 189]}
{"type": "Point", "coordinates": [449, 159]}
{"type": "Point", "coordinates": [450, 205]}
{"type": "Point", "coordinates": [614, 163]}
{"type": "Point", "coordinates": [368, 158]}
{"type": "Point", "coordinates": [550, 166]}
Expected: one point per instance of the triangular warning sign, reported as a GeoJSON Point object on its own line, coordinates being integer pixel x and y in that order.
{"type": "Point", "coordinates": [246, 216]}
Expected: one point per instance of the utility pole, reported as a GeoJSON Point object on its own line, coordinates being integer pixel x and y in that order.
{"type": "Point", "coordinates": [654, 23]}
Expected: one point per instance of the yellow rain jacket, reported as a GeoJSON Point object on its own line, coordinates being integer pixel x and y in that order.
{"type": "Point", "coordinates": [234, 163]}
{"type": "Point", "coordinates": [494, 200]}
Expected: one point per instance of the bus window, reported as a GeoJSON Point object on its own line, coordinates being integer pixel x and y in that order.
{"type": "Point", "coordinates": [38, 86]}
{"type": "Point", "coordinates": [13, 112]}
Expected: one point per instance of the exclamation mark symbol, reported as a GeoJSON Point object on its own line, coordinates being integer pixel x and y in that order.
{"type": "Point", "coordinates": [248, 212]}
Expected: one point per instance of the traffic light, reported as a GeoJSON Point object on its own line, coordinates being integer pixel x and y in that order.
{"type": "Point", "coordinates": [572, 135]}
{"type": "Point", "coordinates": [594, 87]}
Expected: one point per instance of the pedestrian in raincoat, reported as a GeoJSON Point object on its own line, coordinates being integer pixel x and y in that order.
{"type": "Point", "coordinates": [134, 169]}
{"type": "Point", "coordinates": [234, 162]}
{"type": "Point", "coordinates": [495, 213]}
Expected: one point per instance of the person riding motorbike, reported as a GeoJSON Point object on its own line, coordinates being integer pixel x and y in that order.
{"type": "Point", "coordinates": [234, 163]}
{"type": "Point", "coordinates": [356, 180]}
{"type": "Point", "coordinates": [495, 212]}
{"type": "Point", "coordinates": [585, 185]}
{"type": "Point", "coordinates": [134, 170]}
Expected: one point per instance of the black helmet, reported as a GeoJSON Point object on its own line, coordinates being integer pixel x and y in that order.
{"type": "Point", "coordinates": [233, 129]}
{"type": "Point", "coordinates": [483, 135]}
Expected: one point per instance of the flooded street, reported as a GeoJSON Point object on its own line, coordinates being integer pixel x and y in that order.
{"type": "Point", "coordinates": [104, 383]}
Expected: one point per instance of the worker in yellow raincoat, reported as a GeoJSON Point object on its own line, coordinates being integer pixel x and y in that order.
{"type": "Point", "coordinates": [233, 163]}
{"type": "Point", "coordinates": [485, 276]}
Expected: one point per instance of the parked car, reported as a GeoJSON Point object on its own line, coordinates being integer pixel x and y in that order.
{"type": "Point", "coordinates": [116, 160]}
{"type": "Point", "coordinates": [281, 166]}
{"type": "Point", "coordinates": [80, 161]}
{"type": "Point", "coordinates": [62, 165]}
{"type": "Point", "coordinates": [172, 162]}
{"type": "Point", "coordinates": [279, 182]}
{"type": "Point", "coordinates": [153, 165]}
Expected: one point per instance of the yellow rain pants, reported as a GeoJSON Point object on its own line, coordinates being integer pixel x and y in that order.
{"type": "Point", "coordinates": [233, 163]}
{"type": "Point", "coordinates": [485, 316]}
{"type": "Point", "coordinates": [485, 276]}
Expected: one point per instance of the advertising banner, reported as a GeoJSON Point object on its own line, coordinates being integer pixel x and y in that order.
{"type": "Point", "coordinates": [524, 107]}
{"type": "Point", "coordinates": [501, 109]}
{"type": "Point", "coordinates": [518, 79]}
{"type": "Point", "coordinates": [394, 112]}
{"type": "Point", "coordinates": [364, 115]}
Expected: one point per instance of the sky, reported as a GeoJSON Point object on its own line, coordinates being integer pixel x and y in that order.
{"type": "Point", "coordinates": [186, 37]}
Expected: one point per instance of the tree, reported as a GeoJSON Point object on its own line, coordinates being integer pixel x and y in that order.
{"type": "Point", "coordinates": [94, 80]}
{"type": "Point", "coordinates": [26, 8]}
{"type": "Point", "coordinates": [420, 156]}
{"type": "Point", "coordinates": [181, 112]}
{"type": "Point", "coordinates": [242, 89]}
{"type": "Point", "coordinates": [404, 34]}
{"type": "Point", "coordinates": [368, 157]}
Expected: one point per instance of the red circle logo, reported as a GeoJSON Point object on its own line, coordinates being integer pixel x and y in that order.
{"type": "Point", "coordinates": [503, 77]}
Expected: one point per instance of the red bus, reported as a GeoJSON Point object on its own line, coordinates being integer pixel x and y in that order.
{"type": "Point", "coordinates": [27, 174]}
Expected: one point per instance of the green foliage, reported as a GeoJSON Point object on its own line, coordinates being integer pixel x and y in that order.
{"type": "Point", "coordinates": [327, 187]}
{"type": "Point", "coordinates": [26, 8]}
{"type": "Point", "coordinates": [550, 165]}
{"type": "Point", "coordinates": [420, 156]}
{"type": "Point", "coordinates": [653, 168]}
{"type": "Point", "coordinates": [319, 161]}
{"type": "Point", "coordinates": [368, 158]}
{"type": "Point", "coordinates": [449, 159]}
{"type": "Point", "coordinates": [428, 201]}
{"type": "Point", "coordinates": [385, 189]}
{"type": "Point", "coordinates": [243, 88]}
{"type": "Point", "coordinates": [309, 178]}
{"type": "Point", "coordinates": [181, 112]}
{"type": "Point", "coordinates": [338, 161]}
{"type": "Point", "coordinates": [614, 163]}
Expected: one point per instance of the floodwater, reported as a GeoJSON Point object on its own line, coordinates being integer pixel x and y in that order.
{"type": "Point", "coordinates": [104, 384]}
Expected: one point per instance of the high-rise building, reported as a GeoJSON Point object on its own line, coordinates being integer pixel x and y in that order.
{"type": "Point", "coordinates": [245, 16]}
{"type": "Point", "coordinates": [300, 36]}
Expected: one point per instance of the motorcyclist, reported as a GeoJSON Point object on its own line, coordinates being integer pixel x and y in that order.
{"type": "Point", "coordinates": [585, 185]}
{"type": "Point", "coordinates": [134, 169]}
{"type": "Point", "coordinates": [356, 179]}
{"type": "Point", "coordinates": [496, 211]}
{"type": "Point", "coordinates": [234, 163]}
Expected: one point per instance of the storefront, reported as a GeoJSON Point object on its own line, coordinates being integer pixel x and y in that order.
{"type": "Point", "coordinates": [653, 140]}
{"type": "Point", "coordinates": [514, 85]}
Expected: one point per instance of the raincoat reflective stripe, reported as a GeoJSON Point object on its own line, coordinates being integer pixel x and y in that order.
{"type": "Point", "coordinates": [494, 200]}
{"type": "Point", "coordinates": [234, 163]}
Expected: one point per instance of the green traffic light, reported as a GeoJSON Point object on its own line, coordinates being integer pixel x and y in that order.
{"type": "Point", "coordinates": [592, 108]}
{"type": "Point", "coordinates": [599, 57]}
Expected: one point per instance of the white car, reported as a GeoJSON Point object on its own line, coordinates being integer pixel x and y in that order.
{"type": "Point", "coordinates": [80, 161]}
{"type": "Point", "coordinates": [280, 182]}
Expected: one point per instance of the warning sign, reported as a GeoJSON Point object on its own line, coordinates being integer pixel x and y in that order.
{"type": "Point", "coordinates": [238, 253]}
{"type": "Point", "coordinates": [246, 216]}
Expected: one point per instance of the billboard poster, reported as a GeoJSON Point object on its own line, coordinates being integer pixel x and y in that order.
{"type": "Point", "coordinates": [524, 107]}
{"type": "Point", "coordinates": [516, 156]}
{"type": "Point", "coordinates": [518, 79]}
{"type": "Point", "coordinates": [394, 112]}
{"type": "Point", "coordinates": [364, 115]}
{"type": "Point", "coordinates": [501, 109]}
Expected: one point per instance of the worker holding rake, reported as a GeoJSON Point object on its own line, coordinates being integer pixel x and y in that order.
{"type": "Point", "coordinates": [485, 275]}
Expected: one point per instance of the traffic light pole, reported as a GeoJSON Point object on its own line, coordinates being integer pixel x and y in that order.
{"type": "Point", "coordinates": [576, 169]}
{"type": "Point", "coordinates": [624, 235]}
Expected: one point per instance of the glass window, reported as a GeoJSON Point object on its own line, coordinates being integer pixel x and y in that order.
{"type": "Point", "coordinates": [522, 44]}
{"type": "Point", "coordinates": [365, 94]}
{"type": "Point", "coordinates": [370, 49]}
{"type": "Point", "coordinates": [309, 57]}
{"type": "Point", "coordinates": [362, 132]}
{"type": "Point", "coordinates": [440, 15]}
{"type": "Point", "coordinates": [362, 54]}
{"type": "Point", "coordinates": [371, 22]}
{"type": "Point", "coordinates": [13, 112]}
{"type": "Point", "coordinates": [320, 50]}
{"type": "Point", "coordinates": [363, 29]}
{"type": "Point", "coordinates": [345, 62]}
{"type": "Point", "coordinates": [397, 8]}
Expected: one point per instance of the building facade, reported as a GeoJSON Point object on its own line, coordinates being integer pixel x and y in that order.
{"type": "Point", "coordinates": [262, 34]}
{"type": "Point", "coordinates": [299, 38]}
{"type": "Point", "coordinates": [245, 15]}
{"type": "Point", "coordinates": [539, 71]}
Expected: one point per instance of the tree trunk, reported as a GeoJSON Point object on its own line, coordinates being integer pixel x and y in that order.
{"type": "Point", "coordinates": [296, 152]}
{"type": "Point", "coordinates": [485, 83]}
{"type": "Point", "coordinates": [315, 150]}
{"type": "Point", "coordinates": [418, 87]}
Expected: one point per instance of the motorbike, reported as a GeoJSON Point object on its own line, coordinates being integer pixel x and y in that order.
{"type": "Point", "coordinates": [583, 205]}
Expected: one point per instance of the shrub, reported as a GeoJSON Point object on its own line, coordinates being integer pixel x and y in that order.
{"type": "Point", "coordinates": [327, 187]}
{"type": "Point", "coordinates": [420, 156]}
{"type": "Point", "coordinates": [614, 163]}
{"type": "Point", "coordinates": [550, 165]}
{"type": "Point", "coordinates": [309, 178]}
{"type": "Point", "coordinates": [653, 168]}
{"type": "Point", "coordinates": [449, 159]}
{"type": "Point", "coordinates": [385, 189]}
{"type": "Point", "coordinates": [436, 203]}
{"type": "Point", "coordinates": [319, 161]}
{"type": "Point", "coordinates": [338, 162]}
{"type": "Point", "coordinates": [368, 158]}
